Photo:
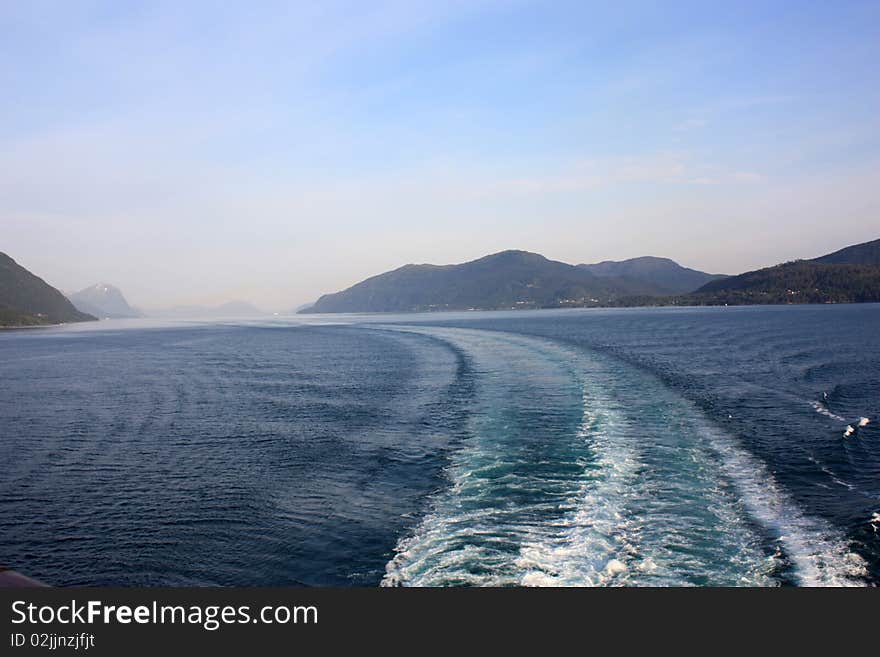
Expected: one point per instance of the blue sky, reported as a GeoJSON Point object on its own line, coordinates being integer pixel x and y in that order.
{"type": "Point", "coordinates": [199, 152]}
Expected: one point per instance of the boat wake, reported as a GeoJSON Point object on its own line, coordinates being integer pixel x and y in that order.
{"type": "Point", "coordinates": [579, 470]}
{"type": "Point", "coordinates": [822, 409]}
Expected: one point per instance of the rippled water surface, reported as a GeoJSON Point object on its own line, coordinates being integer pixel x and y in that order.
{"type": "Point", "coordinates": [715, 446]}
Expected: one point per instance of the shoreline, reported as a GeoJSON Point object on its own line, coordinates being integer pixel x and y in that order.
{"type": "Point", "coordinates": [507, 310]}
{"type": "Point", "coordinates": [36, 326]}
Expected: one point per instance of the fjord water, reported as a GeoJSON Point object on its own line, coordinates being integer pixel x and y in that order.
{"type": "Point", "coordinates": [598, 447]}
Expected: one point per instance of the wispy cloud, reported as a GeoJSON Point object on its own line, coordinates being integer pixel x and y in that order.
{"type": "Point", "coordinates": [691, 124]}
{"type": "Point", "coordinates": [663, 168]}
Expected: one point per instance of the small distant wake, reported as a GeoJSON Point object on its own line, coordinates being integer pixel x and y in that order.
{"type": "Point", "coordinates": [822, 409]}
{"type": "Point", "coordinates": [851, 428]}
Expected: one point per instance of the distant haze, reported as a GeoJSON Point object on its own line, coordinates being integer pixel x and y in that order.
{"type": "Point", "coordinates": [197, 153]}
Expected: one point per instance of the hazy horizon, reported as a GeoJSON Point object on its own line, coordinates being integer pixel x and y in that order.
{"type": "Point", "coordinates": [200, 154]}
{"type": "Point", "coordinates": [221, 300]}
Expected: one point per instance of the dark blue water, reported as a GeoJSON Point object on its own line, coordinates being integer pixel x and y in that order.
{"type": "Point", "coordinates": [618, 447]}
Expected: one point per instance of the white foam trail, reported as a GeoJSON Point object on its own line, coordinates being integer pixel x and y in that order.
{"type": "Point", "coordinates": [598, 538]}
{"type": "Point", "coordinates": [584, 547]}
{"type": "Point", "coordinates": [821, 557]}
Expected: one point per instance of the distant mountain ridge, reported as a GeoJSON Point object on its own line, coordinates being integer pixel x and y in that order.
{"type": "Point", "coordinates": [664, 275]}
{"type": "Point", "coordinates": [505, 280]}
{"type": "Point", "coordinates": [867, 253]}
{"type": "Point", "coordinates": [103, 300]}
{"type": "Point", "coordinates": [850, 275]}
{"type": "Point", "coordinates": [27, 300]}
{"type": "Point", "coordinates": [520, 280]}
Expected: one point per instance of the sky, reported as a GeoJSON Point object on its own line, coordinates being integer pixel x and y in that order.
{"type": "Point", "coordinates": [198, 152]}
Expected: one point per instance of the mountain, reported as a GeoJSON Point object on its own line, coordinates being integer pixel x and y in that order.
{"type": "Point", "coordinates": [26, 300]}
{"type": "Point", "coordinates": [103, 300]}
{"type": "Point", "coordinates": [850, 275]}
{"type": "Point", "coordinates": [867, 253]}
{"type": "Point", "coordinates": [519, 280]}
{"type": "Point", "coordinates": [510, 279]}
{"type": "Point", "coordinates": [664, 275]}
